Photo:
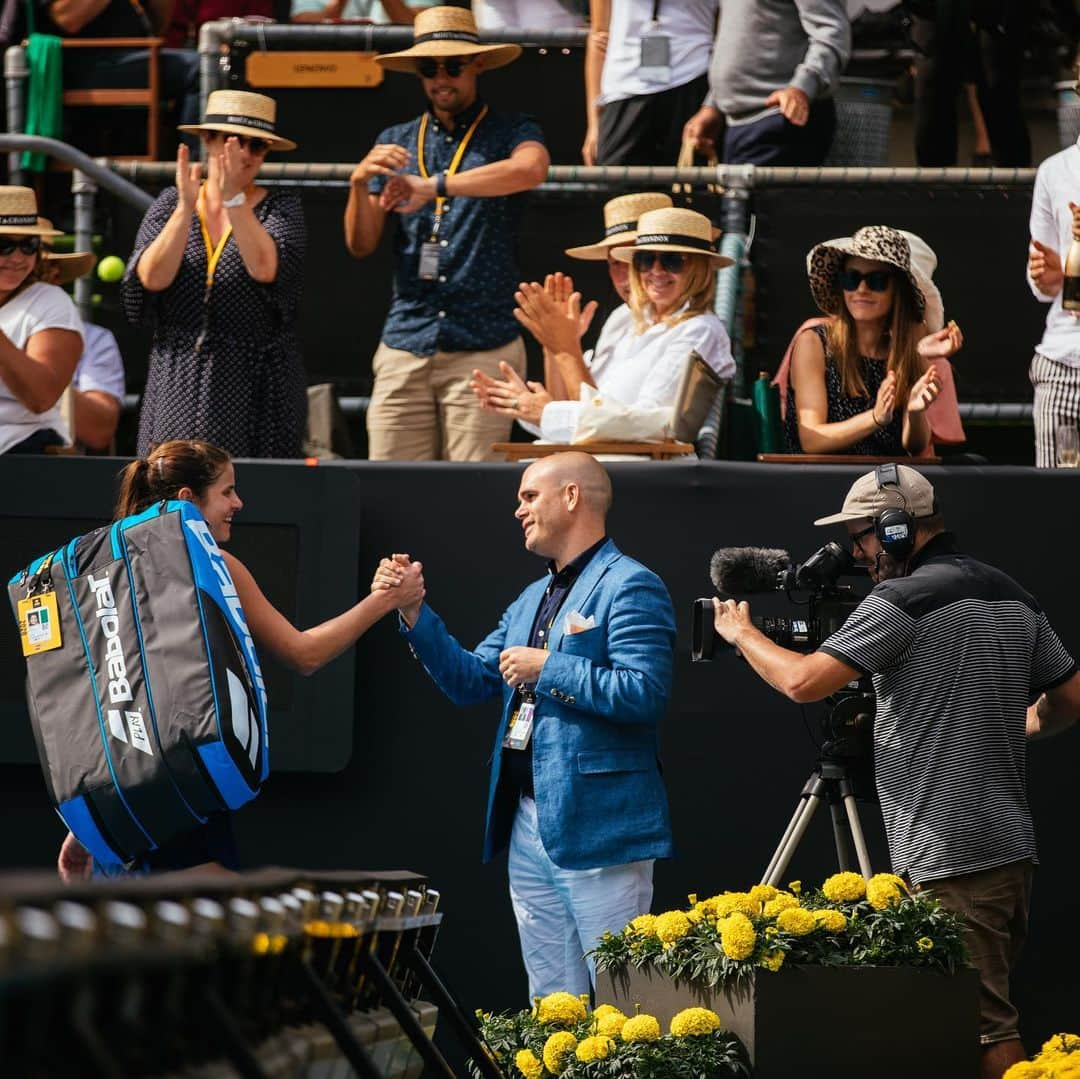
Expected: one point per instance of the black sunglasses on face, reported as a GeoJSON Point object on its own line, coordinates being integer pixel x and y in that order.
{"type": "Point", "coordinates": [248, 142]}
{"type": "Point", "coordinates": [876, 280]}
{"type": "Point", "coordinates": [28, 245]}
{"type": "Point", "coordinates": [452, 65]}
{"type": "Point", "coordinates": [671, 261]}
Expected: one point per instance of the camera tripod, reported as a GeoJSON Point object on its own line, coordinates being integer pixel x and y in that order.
{"type": "Point", "coordinates": [830, 780]}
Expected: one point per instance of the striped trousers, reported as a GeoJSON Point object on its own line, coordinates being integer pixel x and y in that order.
{"type": "Point", "coordinates": [1057, 401]}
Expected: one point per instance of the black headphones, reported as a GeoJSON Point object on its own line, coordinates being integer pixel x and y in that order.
{"type": "Point", "coordinates": [894, 526]}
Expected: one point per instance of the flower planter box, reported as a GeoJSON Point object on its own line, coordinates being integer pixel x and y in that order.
{"type": "Point", "coordinates": [838, 1021]}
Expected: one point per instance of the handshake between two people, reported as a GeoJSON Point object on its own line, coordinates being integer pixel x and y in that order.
{"type": "Point", "coordinates": [400, 575]}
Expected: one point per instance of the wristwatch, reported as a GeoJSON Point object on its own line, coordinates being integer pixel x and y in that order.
{"type": "Point", "coordinates": [237, 200]}
{"type": "Point", "coordinates": [440, 185]}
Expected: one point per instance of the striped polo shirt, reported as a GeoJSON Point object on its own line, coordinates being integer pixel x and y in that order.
{"type": "Point", "coordinates": [957, 650]}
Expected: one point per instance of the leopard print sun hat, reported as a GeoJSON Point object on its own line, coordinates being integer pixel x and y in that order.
{"type": "Point", "coordinates": [879, 243]}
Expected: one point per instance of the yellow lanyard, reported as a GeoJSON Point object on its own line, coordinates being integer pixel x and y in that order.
{"type": "Point", "coordinates": [213, 254]}
{"type": "Point", "coordinates": [455, 162]}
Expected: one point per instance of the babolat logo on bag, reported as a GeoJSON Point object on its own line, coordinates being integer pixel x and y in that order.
{"type": "Point", "coordinates": [146, 696]}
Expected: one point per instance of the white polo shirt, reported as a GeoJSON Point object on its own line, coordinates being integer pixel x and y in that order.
{"type": "Point", "coordinates": [39, 307]}
{"type": "Point", "coordinates": [1056, 184]}
{"type": "Point", "coordinates": [690, 26]}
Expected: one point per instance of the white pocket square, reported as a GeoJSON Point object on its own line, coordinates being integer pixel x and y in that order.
{"type": "Point", "coordinates": [577, 623]}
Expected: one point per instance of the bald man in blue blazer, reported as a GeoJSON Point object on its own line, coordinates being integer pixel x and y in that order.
{"type": "Point", "coordinates": [582, 660]}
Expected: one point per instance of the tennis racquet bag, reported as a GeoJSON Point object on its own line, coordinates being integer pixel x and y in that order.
{"type": "Point", "coordinates": [150, 711]}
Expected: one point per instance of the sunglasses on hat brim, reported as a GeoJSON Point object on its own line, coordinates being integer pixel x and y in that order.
{"type": "Point", "coordinates": [876, 280]}
{"type": "Point", "coordinates": [671, 261]}
{"type": "Point", "coordinates": [453, 66]}
{"type": "Point", "coordinates": [27, 245]}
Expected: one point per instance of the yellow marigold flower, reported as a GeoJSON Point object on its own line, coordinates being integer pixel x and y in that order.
{"type": "Point", "coordinates": [882, 891]}
{"type": "Point", "coordinates": [763, 892]}
{"type": "Point", "coordinates": [771, 930]}
{"type": "Point", "coordinates": [1063, 1043]}
{"type": "Point", "coordinates": [891, 878]}
{"type": "Point", "coordinates": [773, 960]}
{"type": "Point", "coordinates": [562, 1008]}
{"type": "Point", "coordinates": [781, 901]}
{"type": "Point", "coordinates": [695, 915]}
{"type": "Point", "coordinates": [528, 1065]}
{"type": "Point", "coordinates": [644, 925]}
{"type": "Point", "coordinates": [737, 936]}
{"type": "Point", "coordinates": [1066, 1067]}
{"type": "Point", "coordinates": [610, 1026]}
{"type": "Point", "coordinates": [692, 899]}
{"type": "Point", "coordinates": [844, 887]}
{"type": "Point", "coordinates": [671, 926]}
{"type": "Point", "coordinates": [694, 1022]}
{"type": "Point", "coordinates": [796, 921]}
{"type": "Point", "coordinates": [832, 921]}
{"type": "Point", "coordinates": [558, 1050]}
{"type": "Point", "coordinates": [605, 1009]}
{"type": "Point", "coordinates": [594, 1048]}
{"type": "Point", "coordinates": [924, 944]}
{"type": "Point", "coordinates": [736, 901]}
{"type": "Point", "coordinates": [795, 887]}
{"type": "Point", "coordinates": [641, 1028]}
{"type": "Point", "coordinates": [1026, 1069]}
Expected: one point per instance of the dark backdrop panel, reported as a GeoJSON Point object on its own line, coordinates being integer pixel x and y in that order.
{"type": "Point", "coordinates": [342, 124]}
{"type": "Point", "coordinates": [980, 235]}
{"type": "Point", "coordinates": [301, 566]}
{"type": "Point", "coordinates": [735, 753]}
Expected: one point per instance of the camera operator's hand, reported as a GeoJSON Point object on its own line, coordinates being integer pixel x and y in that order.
{"type": "Point", "coordinates": [730, 618]}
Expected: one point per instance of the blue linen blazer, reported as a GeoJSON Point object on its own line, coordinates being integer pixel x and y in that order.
{"type": "Point", "coordinates": [600, 799]}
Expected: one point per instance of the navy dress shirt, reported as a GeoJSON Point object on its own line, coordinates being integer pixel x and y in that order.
{"type": "Point", "coordinates": [517, 763]}
{"type": "Point", "coordinates": [470, 307]}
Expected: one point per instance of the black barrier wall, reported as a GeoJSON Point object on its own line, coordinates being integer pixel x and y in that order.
{"type": "Point", "coordinates": [735, 753]}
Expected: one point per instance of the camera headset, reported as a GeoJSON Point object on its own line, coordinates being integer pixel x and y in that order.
{"type": "Point", "coordinates": [894, 526]}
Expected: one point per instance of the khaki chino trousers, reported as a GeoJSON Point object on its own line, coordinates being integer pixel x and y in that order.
{"type": "Point", "coordinates": [423, 410]}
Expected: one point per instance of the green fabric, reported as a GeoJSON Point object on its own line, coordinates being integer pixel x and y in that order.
{"type": "Point", "coordinates": [770, 432]}
{"type": "Point", "coordinates": [44, 108]}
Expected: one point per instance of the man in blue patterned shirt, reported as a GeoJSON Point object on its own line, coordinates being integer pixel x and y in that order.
{"type": "Point", "coordinates": [454, 176]}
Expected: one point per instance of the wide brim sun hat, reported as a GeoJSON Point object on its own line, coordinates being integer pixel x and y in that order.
{"type": "Point", "coordinates": [19, 214]}
{"type": "Point", "coordinates": [876, 243]}
{"type": "Point", "coordinates": [620, 223]}
{"type": "Point", "coordinates": [674, 229]}
{"type": "Point", "coordinates": [69, 266]}
{"type": "Point", "coordinates": [447, 31]}
{"type": "Point", "coordinates": [241, 112]}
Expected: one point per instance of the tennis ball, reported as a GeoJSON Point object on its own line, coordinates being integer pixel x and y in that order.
{"type": "Point", "coordinates": [111, 268]}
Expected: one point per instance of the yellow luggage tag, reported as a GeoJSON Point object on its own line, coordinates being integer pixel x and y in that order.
{"type": "Point", "coordinates": [39, 619]}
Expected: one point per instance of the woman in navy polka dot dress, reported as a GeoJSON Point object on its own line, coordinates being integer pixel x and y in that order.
{"type": "Point", "coordinates": [218, 270]}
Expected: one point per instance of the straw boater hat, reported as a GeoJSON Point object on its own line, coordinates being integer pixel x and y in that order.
{"type": "Point", "coordinates": [68, 266]}
{"type": "Point", "coordinates": [672, 229]}
{"type": "Point", "coordinates": [447, 31]}
{"type": "Point", "coordinates": [620, 224]}
{"type": "Point", "coordinates": [240, 112]}
{"type": "Point", "coordinates": [879, 243]}
{"type": "Point", "coordinates": [19, 216]}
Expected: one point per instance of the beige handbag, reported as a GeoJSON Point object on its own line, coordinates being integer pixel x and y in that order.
{"type": "Point", "coordinates": [686, 160]}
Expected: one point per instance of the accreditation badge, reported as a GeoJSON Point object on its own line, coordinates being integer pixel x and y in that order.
{"type": "Point", "coordinates": [520, 730]}
{"type": "Point", "coordinates": [655, 57]}
{"type": "Point", "coordinates": [39, 623]}
{"type": "Point", "coordinates": [429, 260]}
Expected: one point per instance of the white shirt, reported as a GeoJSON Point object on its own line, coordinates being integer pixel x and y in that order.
{"type": "Point", "coordinates": [690, 26]}
{"type": "Point", "coordinates": [643, 370]}
{"type": "Point", "coordinates": [1056, 183]}
{"type": "Point", "coordinates": [524, 14]}
{"type": "Point", "coordinates": [39, 307]}
{"type": "Point", "coordinates": [100, 366]}
{"type": "Point", "coordinates": [357, 9]}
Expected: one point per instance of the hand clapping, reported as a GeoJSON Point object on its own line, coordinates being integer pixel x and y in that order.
{"type": "Point", "coordinates": [511, 395]}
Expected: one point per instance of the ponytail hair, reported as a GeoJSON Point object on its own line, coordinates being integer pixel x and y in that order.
{"type": "Point", "coordinates": [168, 467]}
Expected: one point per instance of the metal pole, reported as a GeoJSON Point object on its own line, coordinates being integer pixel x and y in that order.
{"type": "Point", "coordinates": [84, 189]}
{"type": "Point", "coordinates": [16, 72]}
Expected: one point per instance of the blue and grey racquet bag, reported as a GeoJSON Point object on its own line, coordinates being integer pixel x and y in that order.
{"type": "Point", "coordinates": [145, 694]}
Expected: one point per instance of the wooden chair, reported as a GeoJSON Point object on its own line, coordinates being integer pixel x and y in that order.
{"type": "Point", "coordinates": [147, 97]}
{"type": "Point", "coordinates": [653, 451]}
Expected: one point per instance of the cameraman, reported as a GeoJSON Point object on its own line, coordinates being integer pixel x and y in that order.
{"type": "Point", "coordinates": [957, 651]}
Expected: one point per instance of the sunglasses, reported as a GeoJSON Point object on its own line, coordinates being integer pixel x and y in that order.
{"type": "Point", "coordinates": [876, 280]}
{"type": "Point", "coordinates": [29, 245]}
{"type": "Point", "coordinates": [253, 143]}
{"type": "Point", "coordinates": [452, 65]}
{"type": "Point", "coordinates": [671, 261]}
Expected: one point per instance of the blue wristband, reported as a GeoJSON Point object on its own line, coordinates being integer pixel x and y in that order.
{"type": "Point", "coordinates": [440, 185]}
